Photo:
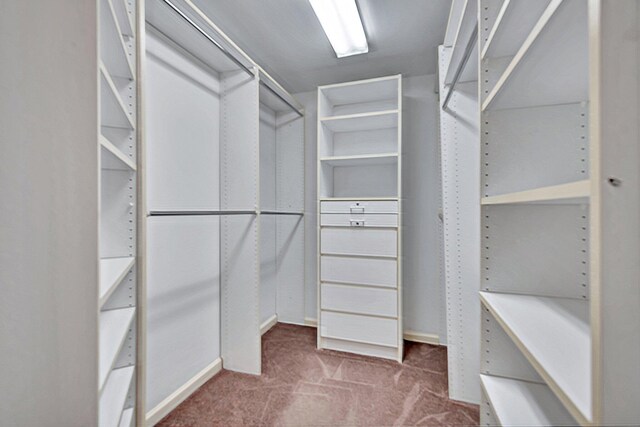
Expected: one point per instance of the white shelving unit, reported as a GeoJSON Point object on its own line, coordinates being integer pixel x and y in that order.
{"type": "Point", "coordinates": [547, 85]}
{"type": "Point", "coordinates": [118, 147]}
{"type": "Point", "coordinates": [359, 206]}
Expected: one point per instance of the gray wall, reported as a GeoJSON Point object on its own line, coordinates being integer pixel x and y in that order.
{"type": "Point", "coordinates": [424, 299]}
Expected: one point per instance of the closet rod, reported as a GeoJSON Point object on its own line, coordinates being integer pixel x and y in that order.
{"type": "Point", "coordinates": [281, 213]}
{"type": "Point", "coordinates": [210, 213]}
{"type": "Point", "coordinates": [273, 91]}
{"type": "Point", "coordinates": [467, 53]}
{"type": "Point", "coordinates": [208, 37]}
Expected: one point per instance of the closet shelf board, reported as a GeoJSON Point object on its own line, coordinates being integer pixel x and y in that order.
{"type": "Point", "coordinates": [571, 193]}
{"type": "Point", "coordinates": [113, 158]}
{"type": "Point", "coordinates": [125, 19]}
{"type": "Point", "coordinates": [554, 335]}
{"type": "Point", "coordinates": [363, 121]}
{"type": "Point", "coordinates": [114, 396]}
{"type": "Point", "coordinates": [112, 272]}
{"type": "Point", "coordinates": [113, 52]}
{"type": "Point", "coordinates": [523, 403]}
{"type": "Point", "coordinates": [342, 199]}
{"type": "Point", "coordinates": [361, 160]}
{"type": "Point", "coordinates": [114, 327]}
{"type": "Point", "coordinates": [112, 110]}
{"type": "Point", "coordinates": [378, 89]}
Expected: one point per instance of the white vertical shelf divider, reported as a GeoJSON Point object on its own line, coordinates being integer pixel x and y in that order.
{"type": "Point", "coordinates": [360, 217]}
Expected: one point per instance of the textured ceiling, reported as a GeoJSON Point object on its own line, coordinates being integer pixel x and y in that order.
{"type": "Point", "coordinates": [286, 39]}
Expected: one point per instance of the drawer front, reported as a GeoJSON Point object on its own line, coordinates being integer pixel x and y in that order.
{"type": "Point", "coordinates": [353, 327]}
{"type": "Point", "coordinates": [359, 206]}
{"type": "Point", "coordinates": [358, 220]}
{"type": "Point", "coordinates": [357, 299]}
{"type": "Point", "coordinates": [359, 271]}
{"type": "Point", "coordinates": [359, 241]}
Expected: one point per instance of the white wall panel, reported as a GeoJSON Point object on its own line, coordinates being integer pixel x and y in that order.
{"type": "Point", "coordinates": [290, 254]}
{"type": "Point", "coordinates": [183, 301]}
{"type": "Point", "coordinates": [268, 266]}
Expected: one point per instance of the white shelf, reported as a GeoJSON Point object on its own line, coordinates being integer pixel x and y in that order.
{"type": "Point", "coordinates": [114, 396]}
{"type": "Point", "coordinates": [554, 335]}
{"type": "Point", "coordinates": [522, 403]}
{"type": "Point", "coordinates": [551, 66]}
{"type": "Point", "coordinates": [113, 113]}
{"type": "Point", "coordinates": [114, 158]}
{"type": "Point", "coordinates": [571, 193]}
{"type": "Point", "coordinates": [364, 91]}
{"type": "Point", "coordinates": [338, 199]}
{"type": "Point", "coordinates": [127, 418]}
{"type": "Point", "coordinates": [468, 22]}
{"type": "Point", "coordinates": [114, 327]}
{"type": "Point", "coordinates": [113, 53]}
{"type": "Point", "coordinates": [513, 23]}
{"type": "Point", "coordinates": [364, 121]}
{"type": "Point", "coordinates": [362, 160]}
{"type": "Point", "coordinates": [124, 17]}
{"type": "Point", "coordinates": [112, 271]}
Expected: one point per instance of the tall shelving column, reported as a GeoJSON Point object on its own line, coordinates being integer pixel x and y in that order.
{"type": "Point", "coordinates": [546, 357]}
{"type": "Point", "coordinates": [118, 188]}
{"type": "Point", "coordinates": [359, 206]}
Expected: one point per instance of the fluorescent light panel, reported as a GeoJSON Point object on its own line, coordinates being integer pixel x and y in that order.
{"type": "Point", "coordinates": [342, 25]}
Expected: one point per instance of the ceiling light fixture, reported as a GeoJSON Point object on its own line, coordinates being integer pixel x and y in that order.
{"type": "Point", "coordinates": [342, 25]}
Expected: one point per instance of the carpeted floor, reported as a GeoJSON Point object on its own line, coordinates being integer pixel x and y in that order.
{"type": "Point", "coordinates": [302, 386]}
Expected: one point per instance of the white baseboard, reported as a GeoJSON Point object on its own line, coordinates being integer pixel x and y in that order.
{"type": "Point", "coordinates": [308, 321]}
{"type": "Point", "coordinates": [177, 397]}
{"type": "Point", "coordinates": [268, 324]}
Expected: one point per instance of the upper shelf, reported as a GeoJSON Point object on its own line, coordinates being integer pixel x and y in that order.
{"type": "Point", "coordinates": [112, 110]}
{"type": "Point", "coordinates": [466, 27]}
{"type": "Point", "coordinates": [113, 158]}
{"type": "Point", "coordinates": [113, 52]}
{"type": "Point", "coordinates": [361, 92]}
{"type": "Point", "coordinates": [112, 272]}
{"type": "Point", "coordinates": [361, 160]}
{"type": "Point", "coordinates": [571, 193]}
{"type": "Point", "coordinates": [554, 335]}
{"type": "Point", "coordinates": [363, 121]}
{"type": "Point", "coordinates": [551, 67]}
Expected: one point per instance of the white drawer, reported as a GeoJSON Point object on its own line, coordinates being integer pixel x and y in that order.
{"type": "Point", "coordinates": [359, 206]}
{"type": "Point", "coordinates": [360, 271]}
{"type": "Point", "coordinates": [358, 220]}
{"type": "Point", "coordinates": [354, 327]}
{"type": "Point", "coordinates": [359, 241]}
{"type": "Point", "coordinates": [358, 299]}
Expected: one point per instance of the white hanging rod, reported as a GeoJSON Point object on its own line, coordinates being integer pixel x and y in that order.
{"type": "Point", "coordinates": [467, 54]}
{"type": "Point", "coordinates": [281, 213]}
{"type": "Point", "coordinates": [273, 91]}
{"type": "Point", "coordinates": [210, 213]}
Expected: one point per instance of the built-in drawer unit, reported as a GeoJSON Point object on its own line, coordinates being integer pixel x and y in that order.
{"type": "Point", "coordinates": [359, 241]}
{"type": "Point", "coordinates": [358, 220]}
{"type": "Point", "coordinates": [360, 206]}
{"type": "Point", "coordinates": [359, 299]}
{"type": "Point", "coordinates": [358, 328]}
{"type": "Point", "coordinates": [360, 271]}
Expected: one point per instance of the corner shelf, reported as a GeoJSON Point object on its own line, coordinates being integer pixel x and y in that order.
{"type": "Point", "coordinates": [522, 403]}
{"type": "Point", "coordinates": [113, 52]}
{"type": "Point", "coordinates": [112, 110]}
{"type": "Point", "coordinates": [361, 160]}
{"type": "Point", "coordinates": [571, 193]}
{"type": "Point", "coordinates": [554, 335]}
{"type": "Point", "coordinates": [114, 158]}
{"type": "Point", "coordinates": [114, 327]}
{"type": "Point", "coordinates": [114, 396]}
{"type": "Point", "coordinates": [112, 272]}
{"type": "Point", "coordinates": [362, 121]}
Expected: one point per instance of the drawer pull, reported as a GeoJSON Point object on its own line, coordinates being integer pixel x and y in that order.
{"type": "Point", "coordinates": [357, 223]}
{"type": "Point", "coordinates": [357, 209]}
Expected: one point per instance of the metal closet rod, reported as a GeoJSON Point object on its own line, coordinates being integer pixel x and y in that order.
{"type": "Point", "coordinates": [467, 53]}
{"type": "Point", "coordinates": [281, 213]}
{"type": "Point", "coordinates": [228, 54]}
{"type": "Point", "coordinates": [208, 37]}
{"type": "Point", "coordinates": [210, 213]}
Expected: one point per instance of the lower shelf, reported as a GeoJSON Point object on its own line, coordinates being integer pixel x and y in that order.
{"type": "Point", "coordinates": [521, 403]}
{"type": "Point", "coordinates": [114, 396]}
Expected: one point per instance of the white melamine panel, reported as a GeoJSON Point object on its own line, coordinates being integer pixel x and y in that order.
{"type": "Point", "coordinates": [361, 159]}
{"type": "Point", "coordinates": [267, 158]}
{"type": "Point", "coordinates": [112, 272]}
{"type": "Point", "coordinates": [268, 265]}
{"type": "Point", "coordinates": [536, 250]}
{"type": "Point", "coordinates": [359, 271]}
{"type": "Point", "coordinates": [499, 354]}
{"type": "Point", "coordinates": [290, 145]}
{"type": "Point", "coordinates": [114, 396]}
{"type": "Point", "coordinates": [375, 141]}
{"type": "Point", "coordinates": [112, 157]}
{"type": "Point", "coordinates": [517, 144]}
{"type": "Point", "coordinates": [359, 206]}
{"type": "Point", "coordinates": [117, 213]}
{"type": "Point", "coordinates": [465, 28]}
{"type": "Point", "coordinates": [361, 122]}
{"type": "Point", "coordinates": [362, 96]}
{"type": "Point", "coordinates": [488, 12]}
{"type": "Point", "coordinates": [359, 241]}
{"type": "Point", "coordinates": [361, 181]}
{"type": "Point", "coordinates": [113, 111]}
{"type": "Point", "coordinates": [239, 141]}
{"type": "Point", "coordinates": [127, 418]}
{"type": "Point", "coordinates": [554, 335]}
{"type": "Point", "coordinates": [114, 328]}
{"type": "Point", "coordinates": [183, 301]}
{"type": "Point", "coordinates": [360, 348]}
{"type": "Point", "coordinates": [240, 309]}
{"type": "Point", "coordinates": [290, 254]}
{"type": "Point", "coordinates": [359, 300]}
{"type": "Point", "coordinates": [183, 127]}
{"type": "Point", "coordinates": [521, 403]}
{"type": "Point", "coordinates": [487, 414]}
{"type": "Point", "coordinates": [359, 220]}
{"type": "Point", "coordinates": [112, 45]}
{"type": "Point", "coordinates": [357, 328]}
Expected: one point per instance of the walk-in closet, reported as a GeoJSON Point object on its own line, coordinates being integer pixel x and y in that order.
{"type": "Point", "coordinates": [320, 212]}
